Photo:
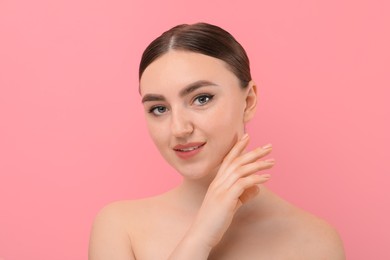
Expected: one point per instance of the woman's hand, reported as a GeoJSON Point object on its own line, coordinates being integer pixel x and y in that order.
{"type": "Point", "coordinates": [234, 185]}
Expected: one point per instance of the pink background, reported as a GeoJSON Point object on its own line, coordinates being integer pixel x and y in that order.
{"type": "Point", "coordinates": [73, 137]}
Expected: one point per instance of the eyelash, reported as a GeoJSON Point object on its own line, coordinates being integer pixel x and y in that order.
{"type": "Point", "coordinates": [210, 97]}
{"type": "Point", "coordinates": [152, 109]}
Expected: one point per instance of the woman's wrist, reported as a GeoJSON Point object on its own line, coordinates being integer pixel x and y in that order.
{"type": "Point", "coordinates": [192, 246]}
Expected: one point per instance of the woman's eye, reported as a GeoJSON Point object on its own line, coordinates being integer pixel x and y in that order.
{"type": "Point", "coordinates": [203, 99]}
{"type": "Point", "coordinates": [158, 110]}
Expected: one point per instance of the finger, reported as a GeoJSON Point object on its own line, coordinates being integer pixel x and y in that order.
{"type": "Point", "coordinates": [240, 161]}
{"type": "Point", "coordinates": [234, 152]}
{"type": "Point", "coordinates": [253, 155]}
{"type": "Point", "coordinates": [242, 184]}
{"type": "Point", "coordinates": [249, 194]}
{"type": "Point", "coordinates": [247, 170]}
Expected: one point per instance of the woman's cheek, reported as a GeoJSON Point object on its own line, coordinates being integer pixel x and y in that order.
{"type": "Point", "coordinates": [156, 132]}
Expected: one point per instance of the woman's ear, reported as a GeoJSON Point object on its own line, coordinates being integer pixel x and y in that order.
{"type": "Point", "coordinates": [250, 101]}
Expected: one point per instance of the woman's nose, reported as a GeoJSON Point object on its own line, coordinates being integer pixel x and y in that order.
{"type": "Point", "coordinates": [181, 125]}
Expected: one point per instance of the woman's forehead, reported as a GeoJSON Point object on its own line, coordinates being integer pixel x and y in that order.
{"type": "Point", "coordinates": [181, 68]}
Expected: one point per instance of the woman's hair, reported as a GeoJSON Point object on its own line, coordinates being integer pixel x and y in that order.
{"type": "Point", "coordinates": [202, 38]}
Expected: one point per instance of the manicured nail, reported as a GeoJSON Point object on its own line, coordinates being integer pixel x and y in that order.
{"type": "Point", "coordinates": [270, 161]}
{"type": "Point", "coordinates": [267, 146]}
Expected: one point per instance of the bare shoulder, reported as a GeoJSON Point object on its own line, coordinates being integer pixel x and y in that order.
{"type": "Point", "coordinates": [118, 227]}
{"type": "Point", "coordinates": [315, 238]}
{"type": "Point", "coordinates": [301, 234]}
{"type": "Point", "coordinates": [120, 215]}
{"type": "Point", "coordinates": [123, 213]}
{"type": "Point", "coordinates": [115, 214]}
{"type": "Point", "coordinates": [108, 237]}
{"type": "Point", "coordinates": [122, 210]}
{"type": "Point", "coordinates": [319, 239]}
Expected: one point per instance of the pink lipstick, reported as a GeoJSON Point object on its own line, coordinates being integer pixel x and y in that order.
{"type": "Point", "coordinates": [186, 151]}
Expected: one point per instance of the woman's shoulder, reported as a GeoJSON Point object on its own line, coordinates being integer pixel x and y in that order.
{"type": "Point", "coordinates": [308, 233]}
{"type": "Point", "coordinates": [115, 216]}
{"type": "Point", "coordinates": [128, 209]}
{"type": "Point", "coordinates": [113, 226]}
{"type": "Point", "coordinates": [316, 236]}
{"type": "Point", "coordinates": [117, 209]}
{"type": "Point", "coordinates": [108, 236]}
{"type": "Point", "coordinates": [135, 214]}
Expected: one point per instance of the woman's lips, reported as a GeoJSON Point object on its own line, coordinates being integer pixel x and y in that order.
{"type": "Point", "coordinates": [186, 151]}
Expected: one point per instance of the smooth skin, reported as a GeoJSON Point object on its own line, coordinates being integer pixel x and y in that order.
{"type": "Point", "coordinates": [221, 210]}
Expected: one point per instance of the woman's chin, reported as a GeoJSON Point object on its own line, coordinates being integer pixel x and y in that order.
{"type": "Point", "coordinates": [194, 174]}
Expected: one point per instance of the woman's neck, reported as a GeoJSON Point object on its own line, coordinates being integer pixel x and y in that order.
{"type": "Point", "coordinates": [191, 192]}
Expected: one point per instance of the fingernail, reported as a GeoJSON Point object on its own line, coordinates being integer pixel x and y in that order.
{"type": "Point", "coordinates": [245, 136]}
{"type": "Point", "coordinates": [270, 161]}
{"type": "Point", "coordinates": [267, 146]}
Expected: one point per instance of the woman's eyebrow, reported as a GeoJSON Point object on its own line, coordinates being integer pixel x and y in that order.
{"type": "Point", "coordinates": [153, 97]}
{"type": "Point", "coordinates": [187, 90]}
{"type": "Point", "coordinates": [194, 86]}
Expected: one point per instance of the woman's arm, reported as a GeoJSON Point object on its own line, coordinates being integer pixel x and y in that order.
{"type": "Point", "coordinates": [109, 239]}
{"type": "Point", "coordinates": [234, 185]}
{"type": "Point", "coordinates": [191, 247]}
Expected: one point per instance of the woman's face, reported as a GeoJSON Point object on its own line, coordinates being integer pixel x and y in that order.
{"type": "Point", "coordinates": [194, 110]}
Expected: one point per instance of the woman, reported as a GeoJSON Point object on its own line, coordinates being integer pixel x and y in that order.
{"type": "Point", "coordinates": [198, 95]}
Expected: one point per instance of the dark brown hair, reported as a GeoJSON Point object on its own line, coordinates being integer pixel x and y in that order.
{"type": "Point", "coordinates": [202, 38]}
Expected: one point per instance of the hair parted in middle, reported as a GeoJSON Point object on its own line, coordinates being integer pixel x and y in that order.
{"type": "Point", "coordinates": [203, 38]}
